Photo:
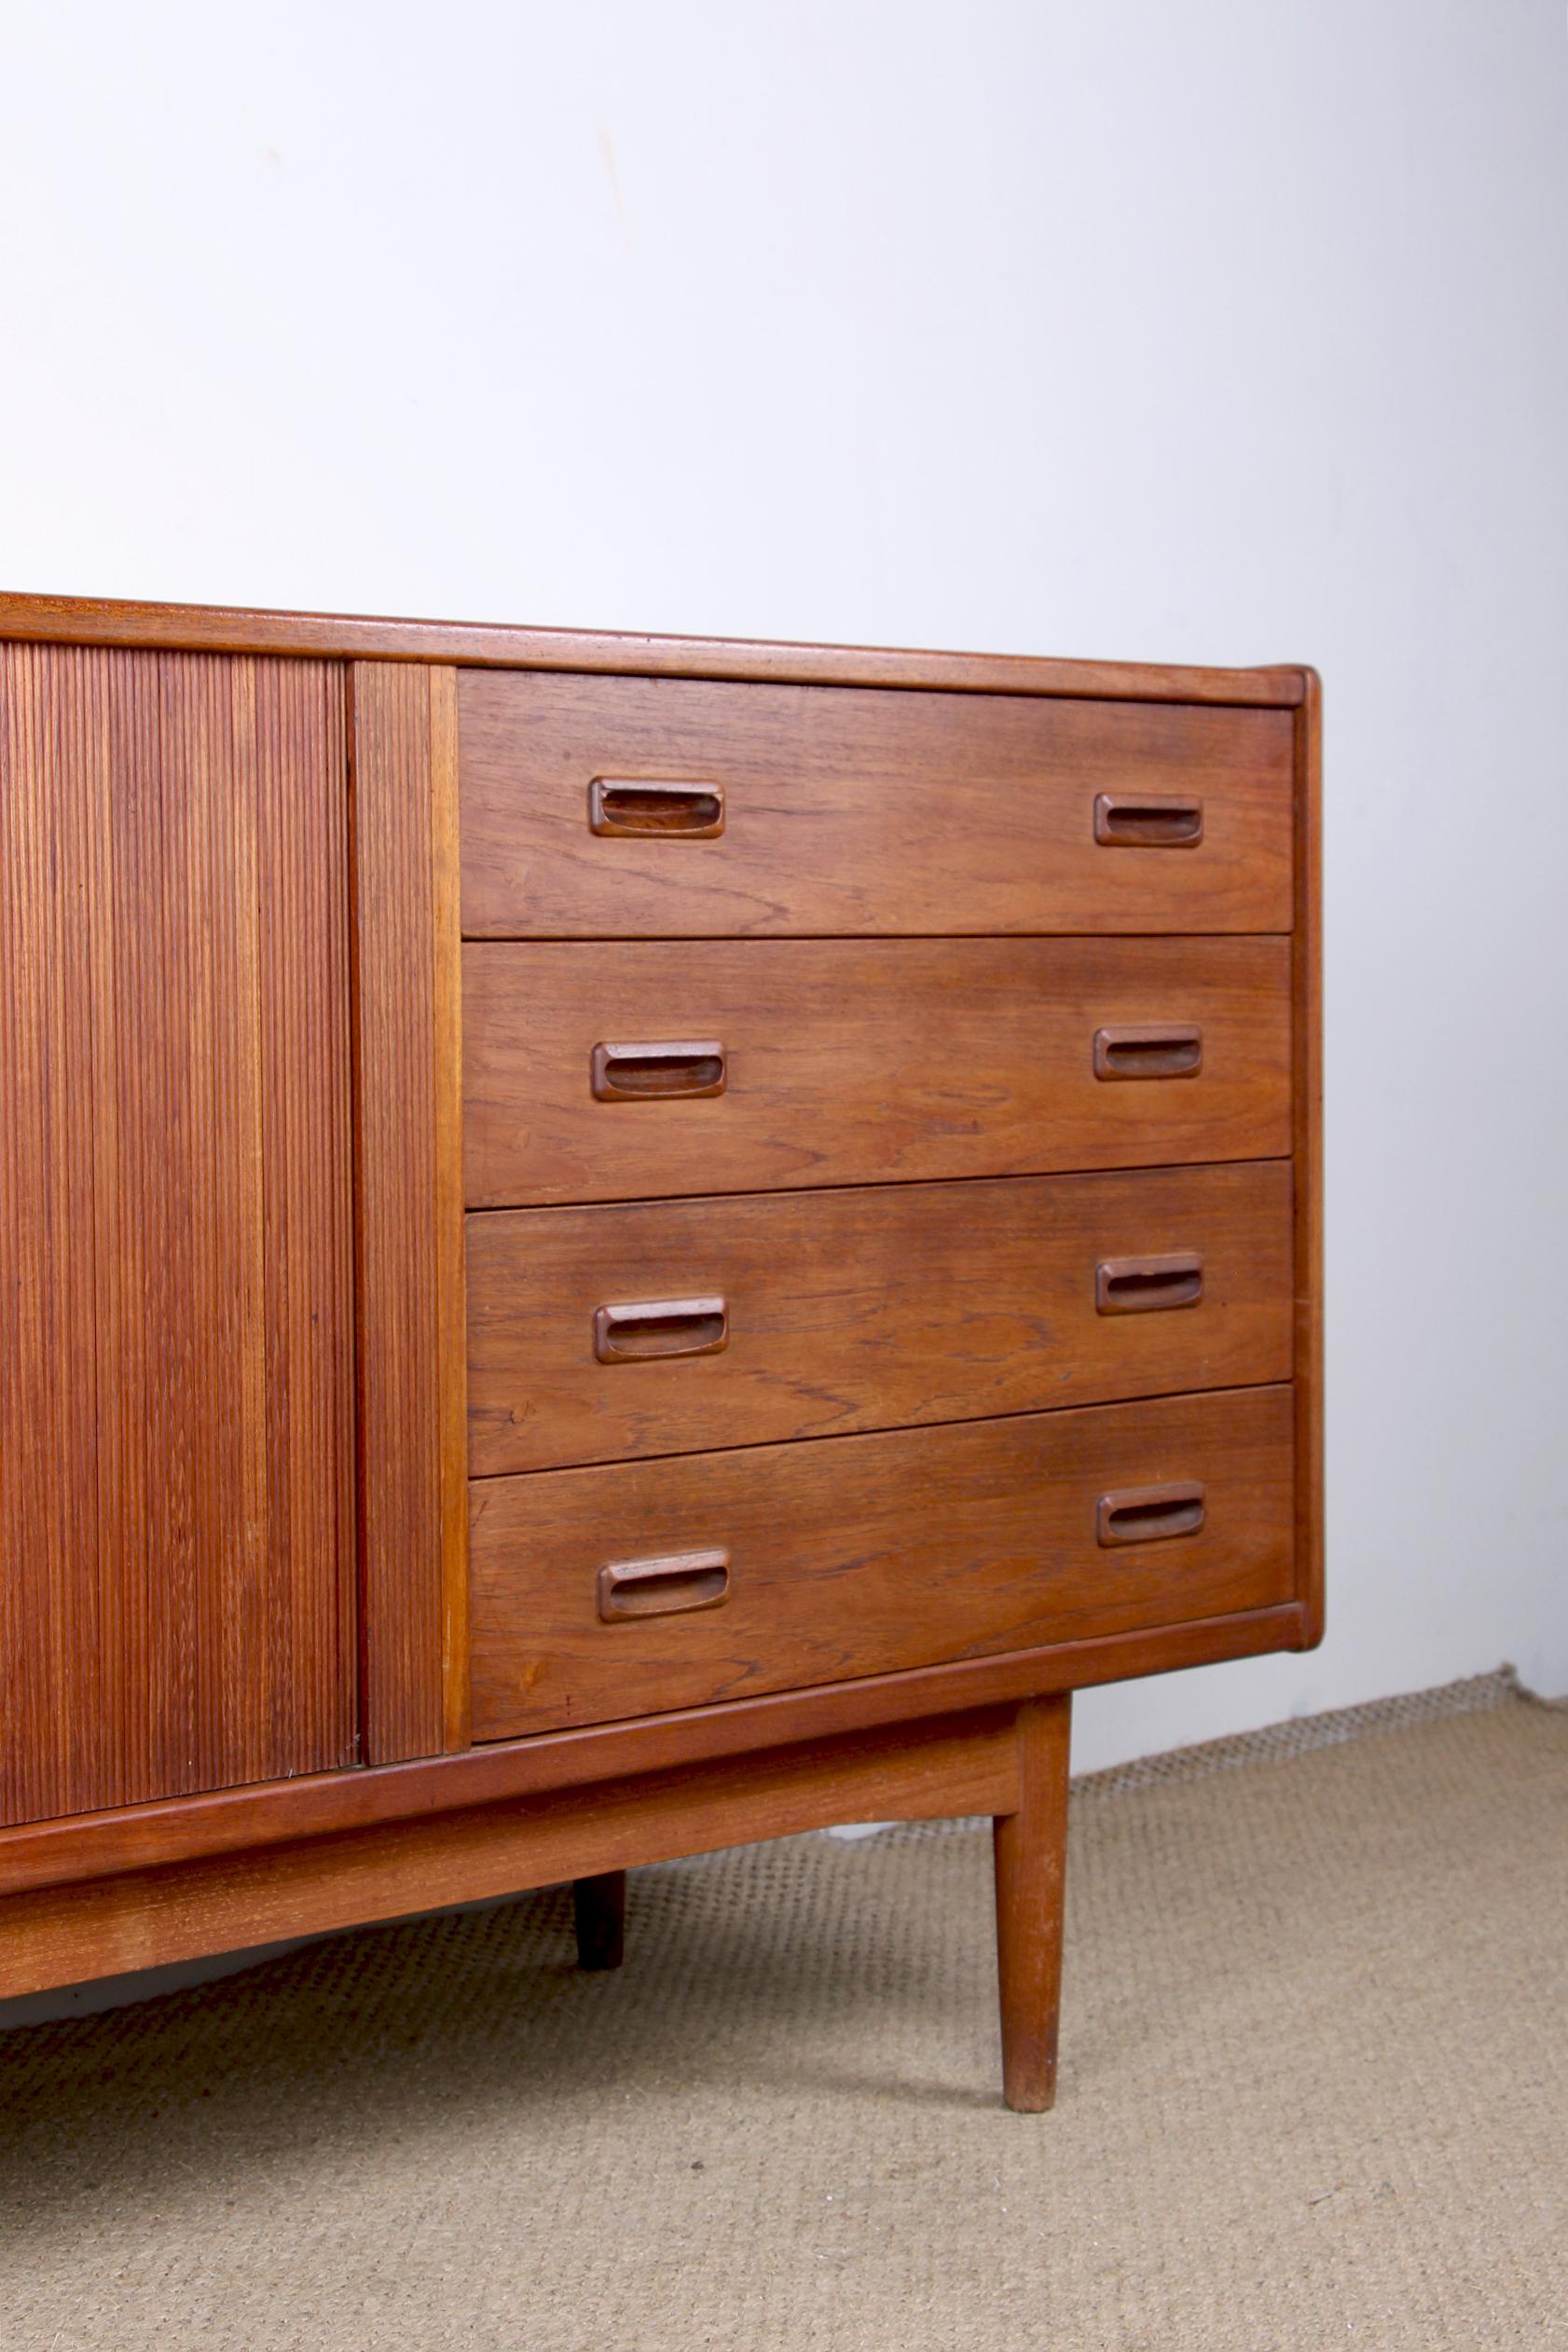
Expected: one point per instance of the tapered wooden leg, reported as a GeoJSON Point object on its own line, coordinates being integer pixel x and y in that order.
{"type": "Point", "coordinates": [599, 1907]}
{"type": "Point", "coordinates": [1031, 1852]}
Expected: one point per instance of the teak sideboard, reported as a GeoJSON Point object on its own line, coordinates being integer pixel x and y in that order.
{"type": "Point", "coordinates": [612, 1245]}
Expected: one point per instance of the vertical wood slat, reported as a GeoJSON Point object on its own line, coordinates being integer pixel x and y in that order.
{"type": "Point", "coordinates": [177, 1431]}
{"type": "Point", "coordinates": [411, 1316]}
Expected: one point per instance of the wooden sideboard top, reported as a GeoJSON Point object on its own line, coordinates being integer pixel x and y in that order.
{"type": "Point", "coordinates": [230, 629]}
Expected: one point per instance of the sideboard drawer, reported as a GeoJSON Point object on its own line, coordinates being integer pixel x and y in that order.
{"type": "Point", "coordinates": [808, 1062]}
{"type": "Point", "coordinates": [639, 808]}
{"type": "Point", "coordinates": [673, 1326]}
{"type": "Point", "coordinates": [627, 1589]}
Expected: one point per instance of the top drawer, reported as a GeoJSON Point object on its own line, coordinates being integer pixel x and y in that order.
{"type": "Point", "coordinates": [742, 810]}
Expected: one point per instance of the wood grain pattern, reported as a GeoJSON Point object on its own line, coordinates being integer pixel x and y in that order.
{"type": "Point", "coordinates": [409, 1214]}
{"type": "Point", "coordinates": [1307, 1141]}
{"type": "Point", "coordinates": [64, 1853]}
{"type": "Point", "coordinates": [177, 1431]}
{"type": "Point", "coordinates": [1030, 1848]}
{"type": "Point", "coordinates": [853, 1556]}
{"type": "Point", "coordinates": [57, 1936]}
{"type": "Point", "coordinates": [862, 1309]}
{"type": "Point", "coordinates": [862, 813]}
{"type": "Point", "coordinates": [103, 621]}
{"type": "Point", "coordinates": [450, 1269]}
{"type": "Point", "coordinates": [853, 1062]}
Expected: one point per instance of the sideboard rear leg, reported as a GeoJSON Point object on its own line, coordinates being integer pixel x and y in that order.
{"type": "Point", "coordinates": [600, 1909]}
{"type": "Point", "coordinates": [1031, 1851]}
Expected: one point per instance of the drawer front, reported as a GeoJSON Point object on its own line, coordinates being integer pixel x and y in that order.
{"type": "Point", "coordinates": [736, 810]}
{"type": "Point", "coordinates": [595, 1334]}
{"type": "Point", "coordinates": [854, 1062]}
{"type": "Point", "coordinates": [624, 1590]}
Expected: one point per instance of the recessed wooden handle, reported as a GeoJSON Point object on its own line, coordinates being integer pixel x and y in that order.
{"type": "Point", "coordinates": [1157, 1049]}
{"type": "Point", "coordinates": [667, 1588]}
{"type": "Point", "coordinates": [656, 1073]}
{"type": "Point", "coordinates": [1151, 1514]}
{"type": "Point", "coordinates": [1146, 820]}
{"type": "Point", "coordinates": [643, 808]}
{"type": "Point", "coordinates": [654, 1328]}
{"type": "Point", "coordinates": [1145, 1285]}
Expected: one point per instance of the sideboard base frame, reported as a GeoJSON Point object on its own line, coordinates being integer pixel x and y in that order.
{"type": "Point", "coordinates": [1008, 1762]}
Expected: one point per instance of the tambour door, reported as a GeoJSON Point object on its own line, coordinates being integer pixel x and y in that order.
{"type": "Point", "coordinates": [176, 1370]}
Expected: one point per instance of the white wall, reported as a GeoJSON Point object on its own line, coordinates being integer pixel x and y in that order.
{"type": "Point", "coordinates": [1208, 332]}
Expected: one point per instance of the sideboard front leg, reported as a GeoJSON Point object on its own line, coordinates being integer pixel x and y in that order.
{"type": "Point", "coordinates": [600, 1909]}
{"type": "Point", "coordinates": [1031, 1851]}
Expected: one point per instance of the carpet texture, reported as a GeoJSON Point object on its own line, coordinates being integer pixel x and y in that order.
{"type": "Point", "coordinates": [1314, 2092]}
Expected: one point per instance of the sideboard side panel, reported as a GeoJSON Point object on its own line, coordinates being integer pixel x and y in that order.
{"type": "Point", "coordinates": [176, 1393]}
{"type": "Point", "coordinates": [412, 1341]}
{"type": "Point", "coordinates": [1307, 953]}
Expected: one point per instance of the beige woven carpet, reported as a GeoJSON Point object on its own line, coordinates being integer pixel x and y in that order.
{"type": "Point", "coordinates": [1314, 2094]}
